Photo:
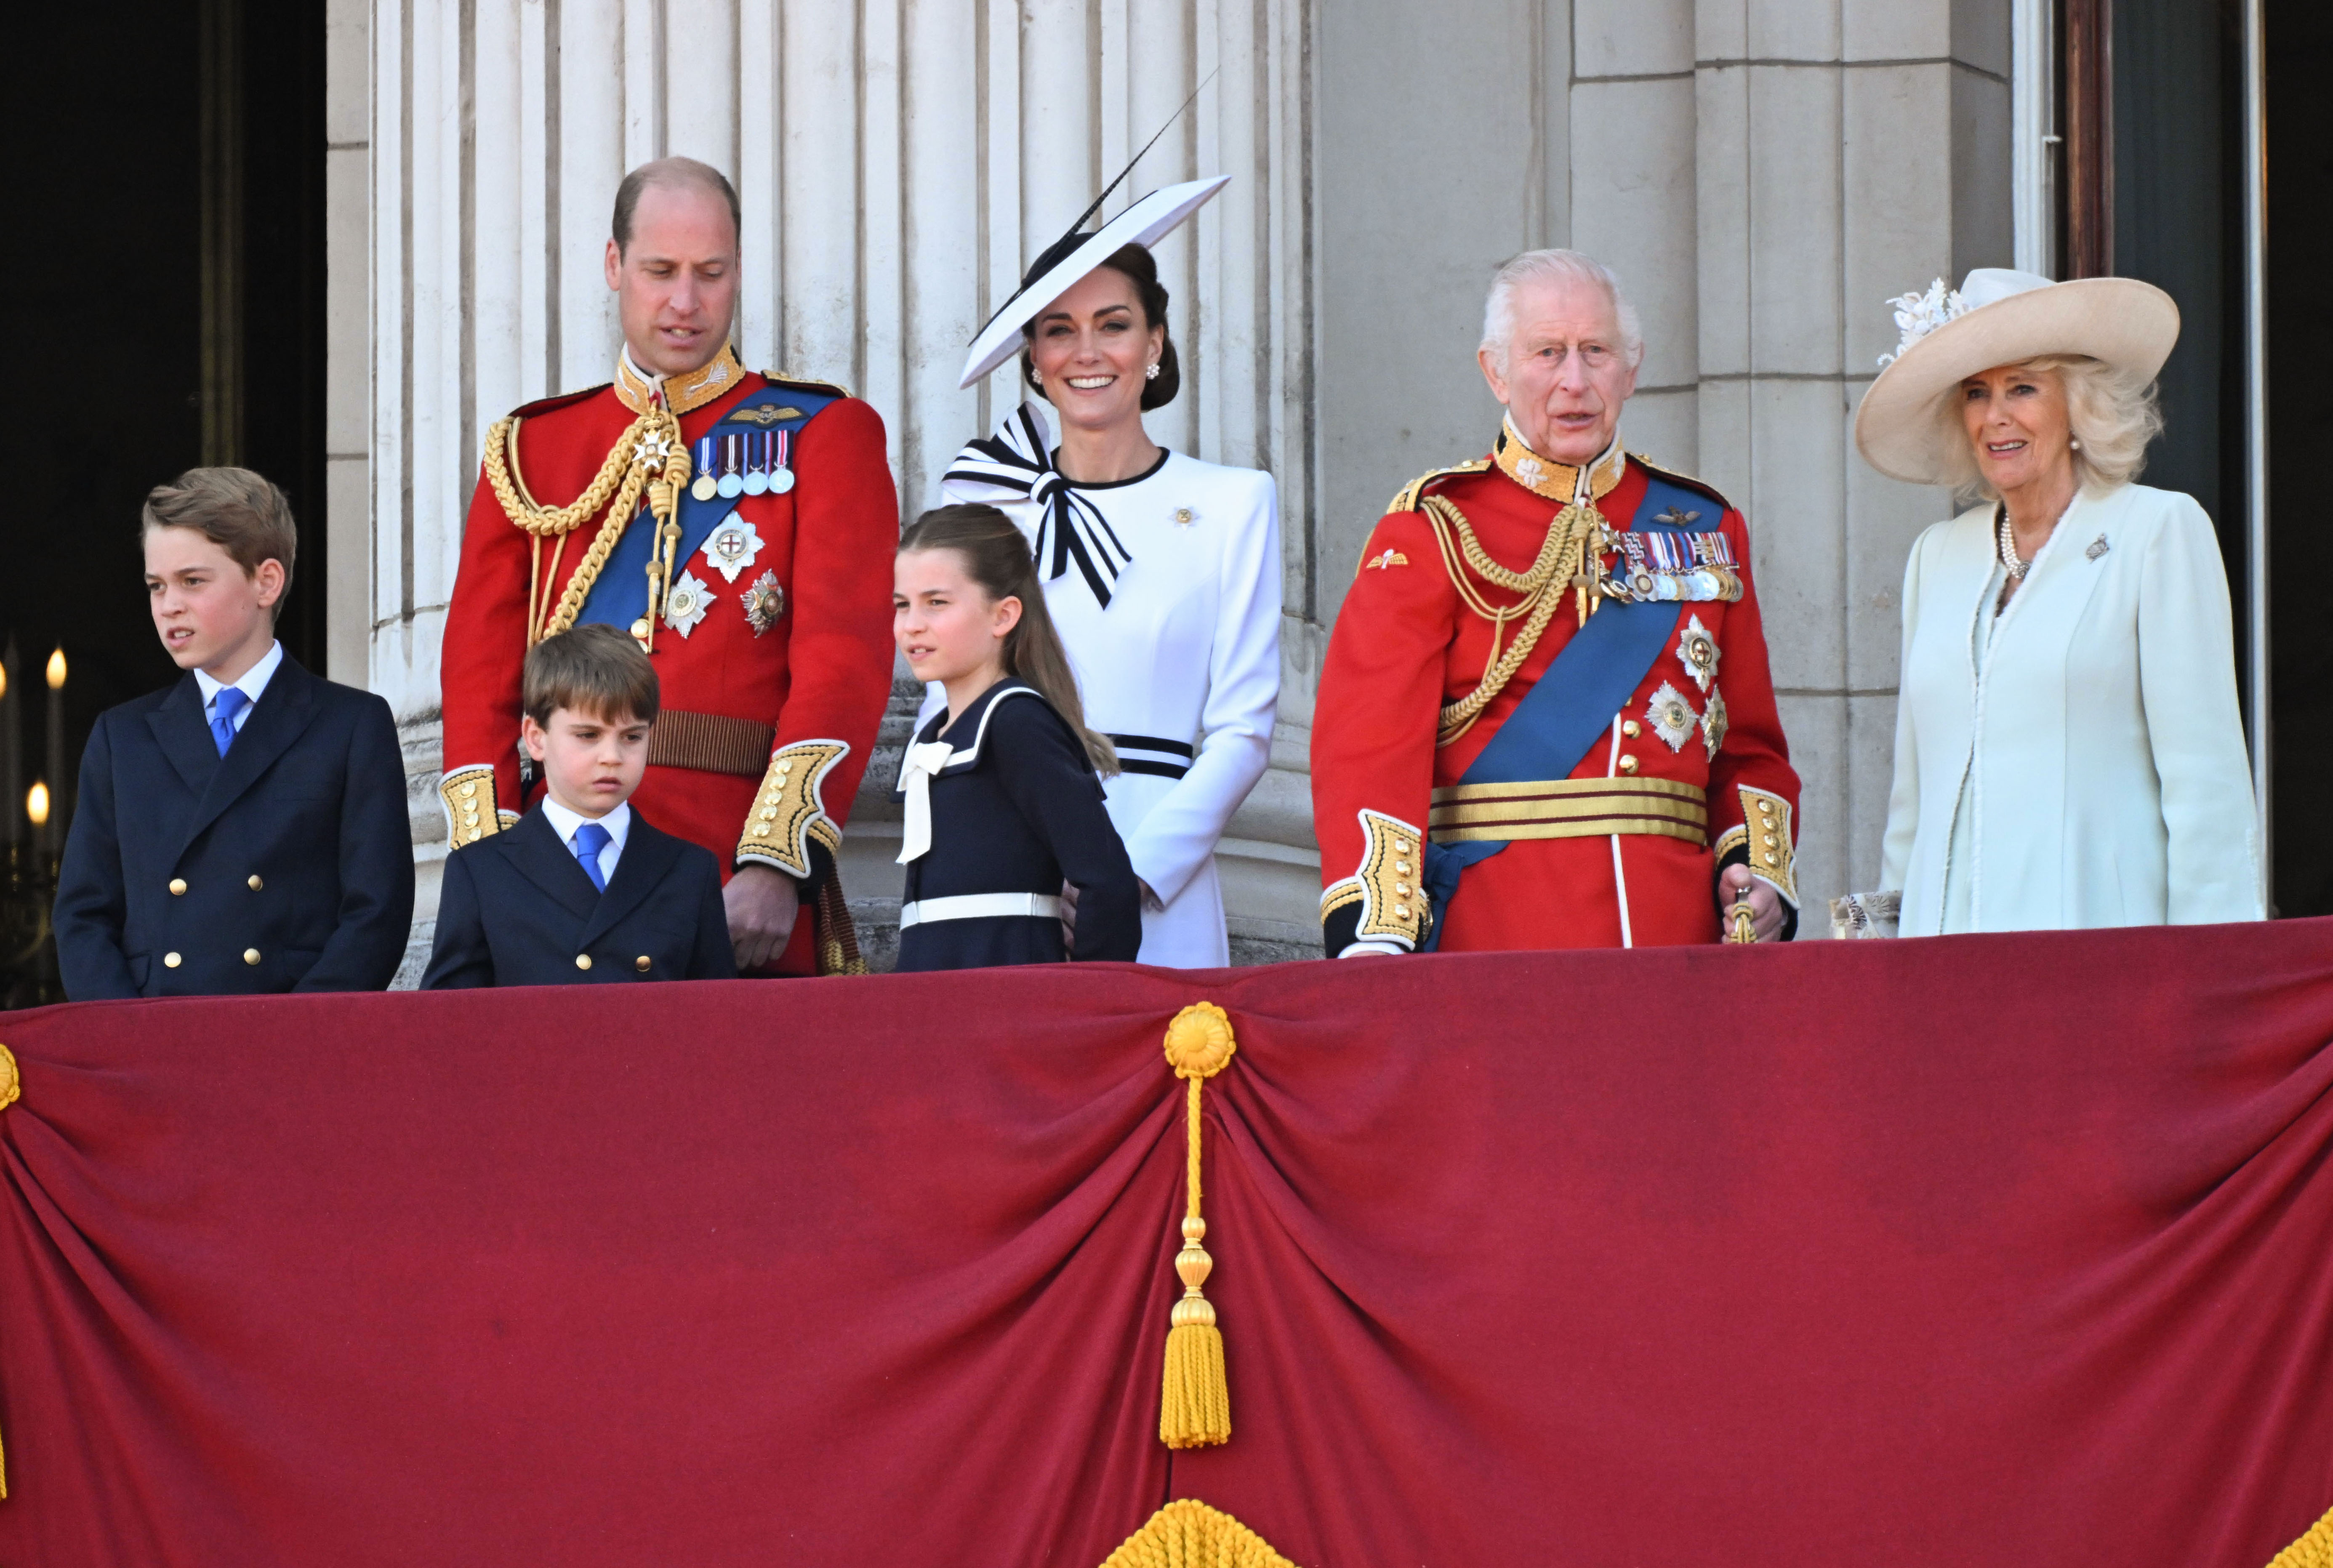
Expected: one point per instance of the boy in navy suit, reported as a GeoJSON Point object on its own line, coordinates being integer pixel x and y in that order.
{"type": "Point", "coordinates": [243, 831]}
{"type": "Point", "coordinates": [582, 889]}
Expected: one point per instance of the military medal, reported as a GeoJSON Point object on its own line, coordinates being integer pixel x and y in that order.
{"type": "Point", "coordinates": [764, 602]}
{"type": "Point", "coordinates": [732, 546]}
{"type": "Point", "coordinates": [705, 486]}
{"type": "Point", "coordinates": [758, 462]}
{"type": "Point", "coordinates": [686, 605]}
{"type": "Point", "coordinates": [732, 467]}
{"type": "Point", "coordinates": [781, 474]}
{"type": "Point", "coordinates": [1713, 724]}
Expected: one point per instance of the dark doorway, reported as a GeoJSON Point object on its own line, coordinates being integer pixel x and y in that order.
{"type": "Point", "coordinates": [174, 317]}
{"type": "Point", "coordinates": [2300, 421]}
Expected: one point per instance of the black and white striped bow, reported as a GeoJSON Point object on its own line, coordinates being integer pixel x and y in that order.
{"type": "Point", "coordinates": [1019, 458]}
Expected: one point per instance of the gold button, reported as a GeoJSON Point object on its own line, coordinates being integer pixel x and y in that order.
{"type": "Point", "coordinates": [251, 955]}
{"type": "Point", "coordinates": [1402, 888]}
{"type": "Point", "coordinates": [1632, 730]}
{"type": "Point", "coordinates": [1768, 838]}
{"type": "Point", "coordinates": [785, 765]}
{"type": "Point", "coordinates": [1772, 858]}
{"type": "Point", "coordinates": [1183, 515]}
{"type": "Point", "coordinates": [769, 813]}
{"type": "Point", "coordinates": [1401, 911]}
{"type": "Point", "coordinates": [582, 960]}
{"type": "Point", "coordinates": [177, 886]}
{"type": "Point", "coordinates": [1627, 764]}
{"type": "Point", "coordinates": [1765, 808]}
{"type": "Point", "coordinates": [470, 789]}
{"type": "Point", "coordinates": [1402, 867]}
{"type": "Point", "coordinates": [255, 883]}
{"type": "Point", "coordinates": [641, 963]}
{"type": "Point", "coordinates": [761, 830]}
{"type": "Point", "coordinates": [171, 961]}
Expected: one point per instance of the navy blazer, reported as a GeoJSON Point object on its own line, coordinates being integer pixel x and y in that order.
{"type": "Point", "coordinates": [286, 865]}
{"type": "Point", "coordinates": [517, 909]}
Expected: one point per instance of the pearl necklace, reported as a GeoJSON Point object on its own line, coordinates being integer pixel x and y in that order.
{"type": "Point", "coordinates": [2009, 558]}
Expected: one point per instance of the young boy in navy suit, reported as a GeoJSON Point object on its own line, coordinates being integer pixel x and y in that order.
{"type": "Point", "coordinates": [243, 831]}
{"type": "Point", "coordinates": [582, 889]}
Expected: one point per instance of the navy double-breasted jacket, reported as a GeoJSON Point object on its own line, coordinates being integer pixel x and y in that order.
{"type": "Point", "coordinates": [516, 909]}
{"type": "Point", "coordinates": [285, 865]}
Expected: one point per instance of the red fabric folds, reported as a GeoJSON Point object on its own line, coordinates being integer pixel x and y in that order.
{"type": "Point", "coordinates": [1979, 1250]}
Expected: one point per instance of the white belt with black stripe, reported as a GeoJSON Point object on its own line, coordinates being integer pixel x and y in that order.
{"type": "Point", "coordinates": [1148, 753]}
{"type": "Point", "coordinates": [980, 906]}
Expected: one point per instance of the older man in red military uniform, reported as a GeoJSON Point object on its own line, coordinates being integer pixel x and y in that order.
{"type": "Point", "coordinates": [1545, 719]}
{"type": "Point", "coordinates": [741, 527]}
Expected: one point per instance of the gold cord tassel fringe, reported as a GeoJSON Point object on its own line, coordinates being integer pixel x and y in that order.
{"type": "Point", "coordinates": [1186, 1532]}
{"type": "Point", "coordinates": [1194, 1402]}
{"type": "Point", "coordinates": [2313, 1550]}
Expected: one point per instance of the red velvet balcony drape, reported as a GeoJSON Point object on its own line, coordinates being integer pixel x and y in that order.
{"type": "Point", "coordinates": [1976, 1251]}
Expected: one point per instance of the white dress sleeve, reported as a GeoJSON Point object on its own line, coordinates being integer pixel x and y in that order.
{"type": "Point", "coordinates": [2187, 682]}
{"type": "Point", "coordinates": [1179, 834]}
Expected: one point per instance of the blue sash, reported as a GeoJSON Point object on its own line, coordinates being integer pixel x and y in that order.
{"type": "Point", "coordinates": [619, 596]}
{"type": "Point", "coordinates": [1572, 704]}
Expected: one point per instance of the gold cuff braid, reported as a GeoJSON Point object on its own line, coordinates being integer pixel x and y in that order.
{"type": "Point", "coordinates": [1766, 836]}
{"type": "Point", "coordinates": [1389, 883]}
{"type": "Point", "coordinates": [787, 817]}
{"type": "Point", "coordinates": [468, 794]}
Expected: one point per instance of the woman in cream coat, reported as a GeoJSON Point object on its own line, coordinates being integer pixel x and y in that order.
{"type": "Point", "coordinates": [2067, 749]}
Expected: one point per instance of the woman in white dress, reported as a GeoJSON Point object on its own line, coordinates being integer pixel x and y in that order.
{"type": "Point", "coordinates": [1162, 573]}
{"type": "Point", "coordinates": [2067, 748]}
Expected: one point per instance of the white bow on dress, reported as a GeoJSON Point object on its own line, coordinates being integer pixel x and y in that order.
{"type": "Point", "coordinates": [916, 770]}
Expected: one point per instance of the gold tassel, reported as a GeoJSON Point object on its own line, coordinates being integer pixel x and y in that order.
{"type": "Point", "coordinates": [1194, 1402]}
{"type": "Point", "coordinates": [1187, 1532]}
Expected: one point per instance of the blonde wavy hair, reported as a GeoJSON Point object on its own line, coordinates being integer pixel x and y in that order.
{"type": "Point", "coordinates": [2113, 414]}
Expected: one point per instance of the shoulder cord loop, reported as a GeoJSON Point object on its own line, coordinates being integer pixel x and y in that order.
{"type": "Point", "coordinates": [650, 455]}
{"type": "Point", "coordinates": [1559, 565]}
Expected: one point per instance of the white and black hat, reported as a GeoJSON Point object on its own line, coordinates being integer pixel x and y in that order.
{"type": "Point", "coordinates": [1078, 252]}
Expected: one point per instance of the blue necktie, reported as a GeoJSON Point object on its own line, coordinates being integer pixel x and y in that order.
{"type": "Point", "coordinates": [229, 702]}
{"type": "Point", "coordinates": [589, 839]}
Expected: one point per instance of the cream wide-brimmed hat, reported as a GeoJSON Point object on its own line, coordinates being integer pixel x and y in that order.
{"type": "Point", "coordinates": [1999, 317]}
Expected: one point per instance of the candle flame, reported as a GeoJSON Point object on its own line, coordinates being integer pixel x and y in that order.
{"type": "Point", "coordinates": [57, 670]}
{"type": "Point", "coordinates": [36, 803]}
{"type": "Point", "coordinates": [4, 681]}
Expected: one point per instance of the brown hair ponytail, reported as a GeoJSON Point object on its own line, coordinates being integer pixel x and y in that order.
{"type": "Point", "coordinates": [996, 556]}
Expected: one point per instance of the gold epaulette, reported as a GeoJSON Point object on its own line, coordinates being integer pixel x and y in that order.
{"type": "Point", "coordinates": [1406, 499]}
{"type": "Point", "coordinates": [828, 388]}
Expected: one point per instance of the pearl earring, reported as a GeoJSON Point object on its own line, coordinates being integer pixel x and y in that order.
{"type": "Point", "coordinates": [1152, 373]}
{"type": "Point", "coordinates": [2075, 446]}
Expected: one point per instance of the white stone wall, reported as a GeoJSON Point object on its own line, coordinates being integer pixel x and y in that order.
{"type": "Point", "coordinates": [1762, 173]}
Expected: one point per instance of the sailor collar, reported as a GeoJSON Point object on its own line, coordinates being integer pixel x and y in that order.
{"type": "Point", "coordinates": [1560, 483]}
{"type": "Point", "coordinates": [983, 708]}
{"type": "Point", "coordinates": [689, 390]}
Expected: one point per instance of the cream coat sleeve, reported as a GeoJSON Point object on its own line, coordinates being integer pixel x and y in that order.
{"type": "Point", "coordinates": [1904, 794]}
{"type": "Point", "coordinates": [2186, 652]}
{"type": "Point", "coordinates": [1179, 834]}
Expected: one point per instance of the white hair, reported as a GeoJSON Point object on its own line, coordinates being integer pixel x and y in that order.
{"type": "Point", "coordinates": [2112, 413]}
{"type": "Point", "coordinates": [1554, 266]}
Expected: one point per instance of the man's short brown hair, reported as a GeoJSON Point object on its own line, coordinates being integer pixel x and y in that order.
{"type": "Point", "coordinates": [241, 513]}
{"type": "Point", "coordinates": [672, 174]}
{"type": "Point", "coordinates": [592, 669]}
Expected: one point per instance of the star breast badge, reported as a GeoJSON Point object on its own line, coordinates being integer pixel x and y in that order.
{"type": "Point", "coordinates": [1673, 719]}
{"type": "Point", "coordinates": [732, 546]}
{"type": "Point", "coordinates": [686, 605]}
{"type": "Point", "coordinates": [1386, 562]}
{"type": "Point", "coordinates": [765, 600]}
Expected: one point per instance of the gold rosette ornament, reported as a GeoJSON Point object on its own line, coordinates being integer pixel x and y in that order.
{"type": "Point", "coordinates": [1195, 1405]}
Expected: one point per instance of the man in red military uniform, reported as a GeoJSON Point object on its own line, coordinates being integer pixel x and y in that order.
{"type": "Point", "coordinates": [1545, 719]}
{"type": "Point", "coordinates": [741, 527]}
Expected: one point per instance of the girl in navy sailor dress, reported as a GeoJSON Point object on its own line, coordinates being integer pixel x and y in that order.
{"type": "Point", "coordinates": [1003, 802]}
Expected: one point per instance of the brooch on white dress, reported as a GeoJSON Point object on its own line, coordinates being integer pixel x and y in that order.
{"type": "Point", "coordinates": [2098, 546]}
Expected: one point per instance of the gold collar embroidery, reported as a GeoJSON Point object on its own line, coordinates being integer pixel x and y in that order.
{"type": "Point", "coordinates": [690, 390]}
{"type": "Point", "coordinates": [1559, 482]}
